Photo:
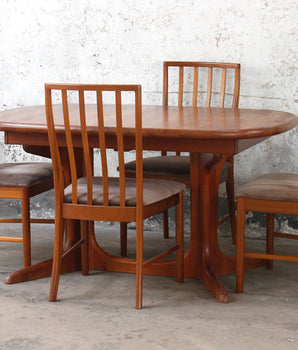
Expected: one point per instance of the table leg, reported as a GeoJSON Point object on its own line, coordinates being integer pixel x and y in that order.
{"type": "Point", "coordinates": [204, 258]}
{"type": "Point", "coordinates": [207, 226]}
{"type": "Point", "coordinates": [204, 211]}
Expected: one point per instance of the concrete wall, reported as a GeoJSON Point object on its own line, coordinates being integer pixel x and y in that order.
{"type": "Point", "coordinates": [126, 41]}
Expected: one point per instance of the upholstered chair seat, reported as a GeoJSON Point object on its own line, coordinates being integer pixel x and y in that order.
{"type": "Point", "coordinates": [24, 174]}
{"type": "Point", "coordinates": [153, 191]}
{"type": "Point", "coordinates": [172, 166]}
{"type": "Point", "coordinates": [272, 187]}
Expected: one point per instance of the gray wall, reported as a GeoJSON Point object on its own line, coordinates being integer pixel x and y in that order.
{"type": "Point", "coordinates": [126, 41]}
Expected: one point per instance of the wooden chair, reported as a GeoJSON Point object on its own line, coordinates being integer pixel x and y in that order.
{"type": "Point", "coordinates": [177, 167]}
{"type": "Point", "coordinates": [103, 198]}
{"type": "Point", "coordinates": [270, 194]}
{"type": "Point", "coordinates": [23, 181]}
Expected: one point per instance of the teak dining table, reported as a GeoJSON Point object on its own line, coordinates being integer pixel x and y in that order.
{"type": "Point", "coordinates": [221, 132]}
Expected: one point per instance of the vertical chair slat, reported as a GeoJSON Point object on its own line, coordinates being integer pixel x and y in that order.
{"type": "Point", "coordinates": [195, 86]}
{"type": "Point", "coordinates": [102, 146]}
{"type": "Point", "coordinates": [165, 85]}
{"type": "Point", "coordinates": [165, 91]}
{"type": "Point", "coordinates": [86, 148]}
{"type": "Point", "coordinates": [236, 88]}
{"type": "Point", "coordinates": [180, 93]}
{"type": "Point", "coordinates": [209, 87]}
{"type": "Point", "coordinates": [223, 87]}
{"type": "Point", "coordinates": [72, 161]}
{"type": "Point", "coordinates": [55, 154]}
{"type": "Point", "coordinates": [120, 148]}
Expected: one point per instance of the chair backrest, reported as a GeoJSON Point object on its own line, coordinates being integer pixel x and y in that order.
{"type": "Point", "coordinates": [69, 125]}
{"type": "Point", "coordinates": [217, 75]}
{"type": "Point", "coordinates": [216, 86]}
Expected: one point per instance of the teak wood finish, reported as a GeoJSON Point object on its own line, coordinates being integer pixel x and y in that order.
{"type": "Point", "coordinates": [90, 210]}
{"type": "Point", "coordinates": [221, 131]}
{"type": "Point", "coordinates": [213, 69]}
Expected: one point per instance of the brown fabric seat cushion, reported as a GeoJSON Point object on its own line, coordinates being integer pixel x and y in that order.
{"type": "Point", "coordinates": [275, 187]}
{"type": "Point", "coordinates": [173, 166]}
{"type": "Point", "coordinates": [153, 191]}
{"type": "Point", "coordinates": [24, 174]}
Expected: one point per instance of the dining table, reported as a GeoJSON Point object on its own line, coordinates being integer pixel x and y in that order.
{"type": "Point", "coordinates": [221, 132]}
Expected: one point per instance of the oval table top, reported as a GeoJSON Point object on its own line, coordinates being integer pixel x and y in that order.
{"type": "Point", "coordinates": [161, 121]}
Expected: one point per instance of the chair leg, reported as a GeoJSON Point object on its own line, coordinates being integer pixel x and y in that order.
{"type": "Point", "coordinates": [269, 238]}
{"type": "Point", "coordinates": [139, 264]}
{"type": "Point", "coordinates": [123, 238]}
{"type": "Point", "coordinates": [180, 239]}
{"type": "Point", "coordinates": [231, 203]}
{"type": "Point", "coordinates": [240, 246]}
{"type": "Point", "coordinates": [85, 247]}
{"type": "Point", "coordinates": [26, 230]}
{"type": "Point", "coordinates": [165, 224]}
{"type": "Point", "coordinates": [57, 257]}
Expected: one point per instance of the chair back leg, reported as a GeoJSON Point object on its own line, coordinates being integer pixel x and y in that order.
{"type": "Point", "coordinates": [123, 238]}
{"type": "Point", "coordinates": [269, 238]}
{"type": "Point", "coordinates": [165, 224]}
{"type": "Point", "coordinates": [26, 229]}
{"type": "Point", "coordinates": [180, 239]}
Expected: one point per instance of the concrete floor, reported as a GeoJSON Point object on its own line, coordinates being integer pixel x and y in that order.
{"type": "Point", "coordinates": [97, 311]}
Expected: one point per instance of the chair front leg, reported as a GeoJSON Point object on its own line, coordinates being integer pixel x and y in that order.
{"type": "Point", "coordinates": [57, 257]}
{"type": "Point", "coordinates": [139, 263]}
{"type": "Point", "coordinates": [269, 238]}
{"type": "Point", "coordinates": [85, 246]}
{"type": "Point", "coordinates": [180, 239]}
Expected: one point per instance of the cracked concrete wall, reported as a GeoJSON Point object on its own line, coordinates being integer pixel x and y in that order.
{"type": "Point", "coordinates": [126, 42]}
